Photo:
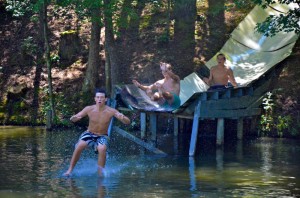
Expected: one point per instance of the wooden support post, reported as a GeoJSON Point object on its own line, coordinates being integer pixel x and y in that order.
{"type": "Point", "coordinates": [239, 150]}
{"type": "Point", "coordinates": [220, 131]}
{"type": "Point", "coordinates": [240, 128]}
{"type": "Point", "coordinates": [138, 141]}
{"type": "Point", "coordinates": [253, 124]}
{"type": "Point", "coordinates": [143, 125]}
{"type": "Point", "coordinates": [113, 104]}
{"type": "Point", "coordinates": [175, 140]}
{"type": "Point", "coordinates": [194, 135]}
{"type": "Point", "coordinates": [153, 126]}
{"type": "Point", "coordinates": [176, 126]}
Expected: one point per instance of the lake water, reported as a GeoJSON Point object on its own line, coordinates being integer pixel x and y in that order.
{"type": "Point", "coordinates": [33, 160]}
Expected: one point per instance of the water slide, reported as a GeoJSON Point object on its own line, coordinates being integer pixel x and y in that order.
{"type": "Point", "coordinates": [249, 54]}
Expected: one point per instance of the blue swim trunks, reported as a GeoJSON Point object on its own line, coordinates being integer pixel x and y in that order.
{"type": "Point", "coordinates": [175, 104]}
{"type": "Point", "coordinates": [217, 87]}
{"type": "Point", "coordinates": [94, 140]}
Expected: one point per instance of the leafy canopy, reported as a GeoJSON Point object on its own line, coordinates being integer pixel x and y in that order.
{"type": "Point", "coordinates": [286, 22]}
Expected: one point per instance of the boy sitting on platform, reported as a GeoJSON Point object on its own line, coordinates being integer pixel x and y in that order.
{"type": "Point", "coordinates": [220, 75]}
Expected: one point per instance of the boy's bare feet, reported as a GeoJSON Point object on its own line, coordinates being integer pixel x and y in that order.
{"type": "Point", "coordinates": [67, 174]}
{"type": "Point", "coordinates": [101, 171]}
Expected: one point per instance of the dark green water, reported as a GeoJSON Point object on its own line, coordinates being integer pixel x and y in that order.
{"type": "Point", "coordinates": [32, 162]}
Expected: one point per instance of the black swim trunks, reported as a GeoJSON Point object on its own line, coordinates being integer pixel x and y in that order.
{"type": "Point", "coordinates": [94, 140]}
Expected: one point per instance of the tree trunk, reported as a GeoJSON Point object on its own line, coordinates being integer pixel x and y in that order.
{"type": "Point", "coordinates": [126, 7]}
{"type": "Point", "coordinates": [92, 73]}
{"type": "Point", "coordinates": [69, 46]}
{"type": "Point", "coordinates": [133, 27]}
{"type": "Point", "coordinates": [38, 69]}
{"type": "Point", "coordinates": [129, 36]}
{"type": "Point", "coordinates": [107, 71]}
{"type": "Point", "coordinates": [216, 27]}
{"type": "Point", "coordinates": [48, 62]}
{"type": "Point", "coordinates": [110, 47]}
{"type": "Point", "coordinates": [184, 35]}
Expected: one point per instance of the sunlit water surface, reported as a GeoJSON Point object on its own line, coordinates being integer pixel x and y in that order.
{"type": "Point", "coordinates": [32, 162]}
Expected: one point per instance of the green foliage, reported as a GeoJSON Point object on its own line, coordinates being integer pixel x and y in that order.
{"type": "Point", "coordinates": [268, 103]}
{"type": "Point", "coordinates": [145, 22]}
{"type": "Point", "coordinates": [54, 58]}
{"type": "Point", "coordinates": [156, 6]}
{"type": "Point", "coordinates": [283, 122]}
{"type": "Point", "coordinates": [163, 39]}
{"type": "Point", "coordinates": [29, 46]}
{"type": "Point", "coordinates": [266, 124]}
{"type": "Point", "coordinates": [64, 109]}
{"type": "Point", "coordinates": [288, 22]}
{"type": "Point", "coordinates": [19, 113]}
{"type": "Point", "coordinates": [2, 116]}
{"type": "Point", "coordinates": [274, 24]}
{"type": "Point", "coordinates": [271, 121]}
{"type": "Point", "coordinates": [18, 8]}
{"type": "Point", "coordinates": [267, 121]}
{"type": "Point", "coordinates": [240, 4]}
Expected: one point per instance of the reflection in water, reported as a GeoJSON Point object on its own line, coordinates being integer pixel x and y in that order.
{"type": "Point", "coordinates": [74, 187]}
{"type": "Point", "coordinates": [239, 150]}
{"type": "Point", "coordinates": [219, 158]}
{"type": "Point", "coordinates": [192, 173]}
{"type": "Point", "coordinates": [32, 162]}
{"type": "Point", "coordinates": [266, 161]}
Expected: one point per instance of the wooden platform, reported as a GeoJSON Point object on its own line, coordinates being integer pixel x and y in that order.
{"type": "Point", "coordinates": [233, 103]}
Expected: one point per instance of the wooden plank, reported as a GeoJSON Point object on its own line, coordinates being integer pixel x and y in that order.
{"type": "Point", "coordinates": [235, 113]}
{"type": "Point", "coordinates": [138, 141]}
{"type": "Point", "coordinates": [124, 109]}
{"type": "Point", "coordinates": [224, 104]}
{"type": "Point", "coordinates": [194, 135]}
{"type": "Point", "coordinates": [214, 95]}
{"type": "Point", "coordinates": [215, 109]}
{"type": "Point", "coordinates": [113, 104]}
{"type": "Point", "coordinates": [256, 103]}
{"type": "Point", "coordinates": [249, 91]}
{"type": "Point", "coordinates": [143, 124]}
{"type": "Point", "coordinates": [231, 103]}
{"type": "Point", "coordinates": [176, 126]}
{"type": "Point", "coordinates": [203, 96]}
{"type": "Point", "coordinates": [153, 126]}
{"type": "Point", "coordinates": [185, 116]}
{"type": "Point", "coordinates": [245, 93]}
{"type": "Point", "coordinates": [175, 144]}
{"type": "Point", "coordinates": [226, 94]}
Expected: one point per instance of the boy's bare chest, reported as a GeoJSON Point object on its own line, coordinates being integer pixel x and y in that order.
{"type": "Point", "coordinates": [168, 84]}
{"type": "Point", "coordinates": [220, 73]}
{"type": "Point", "coordinates": [101, 117]}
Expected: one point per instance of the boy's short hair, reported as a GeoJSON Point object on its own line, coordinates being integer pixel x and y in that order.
{"type": "Point", "coordinates": [221, 55]}
{"type": "Point", "coordinates": [99, 90]}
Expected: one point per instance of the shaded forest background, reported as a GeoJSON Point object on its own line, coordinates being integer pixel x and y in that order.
{"type": "Point", "coordinates": [138, 35]}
